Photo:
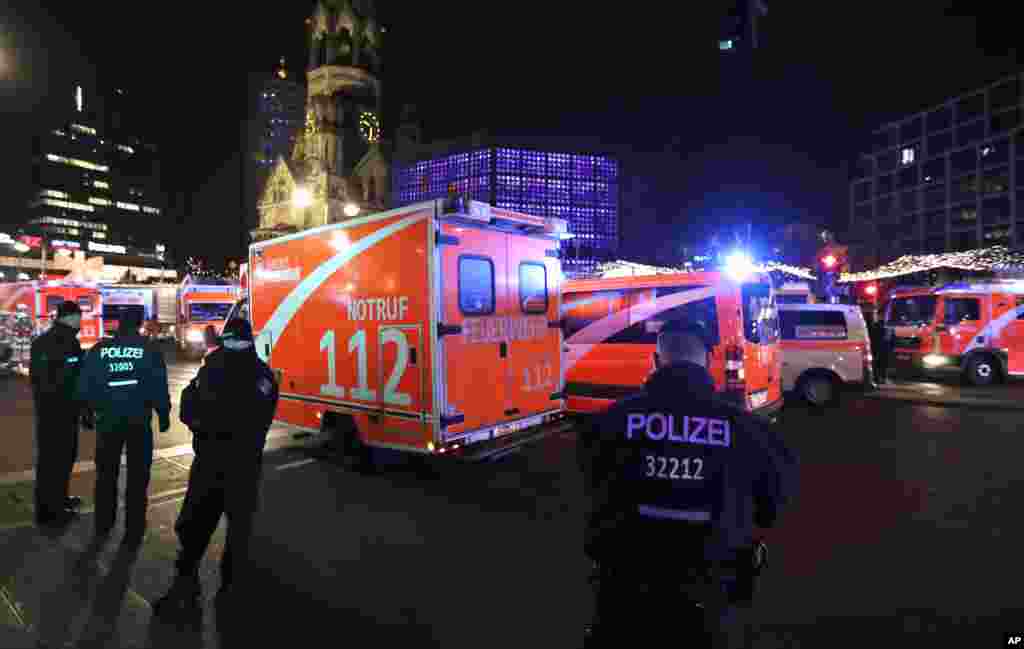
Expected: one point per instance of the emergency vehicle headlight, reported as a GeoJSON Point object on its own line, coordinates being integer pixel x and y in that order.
{"type": "Point", "coordinates": [194, 336]}
{"type": "Point", "coordinates": [934, 360]}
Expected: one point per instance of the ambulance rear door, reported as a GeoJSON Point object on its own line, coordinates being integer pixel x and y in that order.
{"type": "Point", "coordinates": [473, 386]}
{"type": "Point", "coordinates": [534, 336]}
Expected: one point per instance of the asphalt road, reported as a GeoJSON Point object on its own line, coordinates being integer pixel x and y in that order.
{"type": "Point", "coordinates": [906, 524]}
{"type": "Point", "coordinates": [17, 412]}
{"type": "Point", "coordinates": [906, 533]}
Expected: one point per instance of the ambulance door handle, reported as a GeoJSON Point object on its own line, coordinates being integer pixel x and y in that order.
{"type": "Point", "coordinates": [503, 349]}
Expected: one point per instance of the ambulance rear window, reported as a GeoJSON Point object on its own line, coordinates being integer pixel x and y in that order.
{"type": "Point", "coordinates": [85, 303]}
{"type": "Point", "coordinates": [813, 325]}
{"type": "Point", "coordinates": [52, 302]}
{"type": "Point", "coordinates": [476, 285]}
{"type": "Point", "coordinates": [533, 287]}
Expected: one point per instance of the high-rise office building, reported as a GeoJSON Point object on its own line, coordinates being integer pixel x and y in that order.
{"type": "Point", "coordinates": [511, 173]}
{"type": "Point", "coordinates": [948, 178]}
{"type": "Point", "coordinates": [97, 185]}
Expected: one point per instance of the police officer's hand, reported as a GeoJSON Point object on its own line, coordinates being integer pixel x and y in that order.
{"type": "Point", "coordinates": [165, 422]}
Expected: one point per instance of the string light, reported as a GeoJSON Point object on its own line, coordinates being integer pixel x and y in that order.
{"type": "Point", "coordinates": [992, 259]}
{"type": "Point", "coordinates": [622, 268]}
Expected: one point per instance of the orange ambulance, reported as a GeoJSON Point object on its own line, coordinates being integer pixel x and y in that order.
{"type": "Point", "coordinates": [202, 304]}
{"type": "Point", "coordinates": [611, 328]}
{"type": "Point", "coordinates": [432, 328]}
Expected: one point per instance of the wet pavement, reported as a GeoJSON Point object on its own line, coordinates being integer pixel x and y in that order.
{"type": "Point", "coordinates": [17, 415]}
{"type": "Point", "coordinates": [953, 392]}
{"type": "Point", "coordinates": [905, 533]}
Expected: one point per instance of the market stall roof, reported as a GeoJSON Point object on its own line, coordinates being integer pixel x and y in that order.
{"type": "Point", "coordinates": [621, 268]}
{"type": "Point", "coordinates": [992, 259]}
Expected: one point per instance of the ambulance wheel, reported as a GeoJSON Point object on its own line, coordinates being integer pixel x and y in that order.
{"type": "Point", "coordinates": [982, 370]}
{"type": "Point", "coordinates": [819, 389]}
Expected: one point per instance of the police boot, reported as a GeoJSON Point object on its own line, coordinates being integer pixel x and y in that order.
{"type": "Point", "coordinates": [182, 600]}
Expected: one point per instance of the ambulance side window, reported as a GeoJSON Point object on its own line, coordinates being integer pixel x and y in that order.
{"type": "Point", "coordinates": [1020, 303]}
{"type": "Point", "coordinates": [476, 285]}
{"type": "Point", "coordinates": [533, 287]}
{"type": "Point", "coordinates": [962, 309]}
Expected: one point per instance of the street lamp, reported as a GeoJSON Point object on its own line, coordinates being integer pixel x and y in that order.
{"type": "Point", "coordinates": [351, 210]}
{"type": "Point", "coordinates": [302, 198]}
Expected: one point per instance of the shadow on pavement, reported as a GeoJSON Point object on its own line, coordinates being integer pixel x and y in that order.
{"type": "Point", "coordinates": [108, 600]}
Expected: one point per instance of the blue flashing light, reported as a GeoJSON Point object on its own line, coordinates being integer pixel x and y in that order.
{"type": "Point", "coordinates": [738, 265]}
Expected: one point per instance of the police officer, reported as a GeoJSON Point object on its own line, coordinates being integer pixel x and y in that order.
{"type": "Point", "coordinates": [56, 358]}
{"type": "Point", "coordinates": [880, 341]}
{"type": "Point", "coordinates": [124, 380]}
{"type": "Point", "coordinates": [236, 404]}
{"type": "Point", "coordinates": [679, 479]}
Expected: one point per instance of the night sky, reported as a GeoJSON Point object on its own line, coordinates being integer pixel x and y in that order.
{"type": "Point", "coordinates": [705, 139]}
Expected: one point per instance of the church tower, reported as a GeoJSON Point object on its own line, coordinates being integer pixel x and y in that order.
{"type": "Point", "coordinates": [338, 169]}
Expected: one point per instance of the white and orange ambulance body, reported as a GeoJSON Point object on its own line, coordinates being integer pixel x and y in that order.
{"type": "Point", "coordinates": [611, 328]}
{"type": "Point", "coordinates": [972, 328]}
{"type": "Point", "coordinates": [38, 300]}
{"type": "Point", "coordinates": [202, 304]}
{"type": "Point", "coordinates": [432, 328]}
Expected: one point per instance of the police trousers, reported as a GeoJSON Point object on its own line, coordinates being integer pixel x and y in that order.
{"type": "Point", "coordinates": [56, 451]}
{"type": "Point", "coordinates": [658, 604]}
{"type": "Point", "coordinates": [137, 440]}
{"type": "Point", "coordinates": [224, 480]}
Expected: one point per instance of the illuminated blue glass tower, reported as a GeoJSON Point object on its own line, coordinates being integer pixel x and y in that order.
{"type": "Point", "coordinates": [581, 188]}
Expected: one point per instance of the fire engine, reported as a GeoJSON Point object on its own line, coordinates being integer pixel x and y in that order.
{"type": "Point", "coordinates": [432, 328]}
{"type": "Point", "coordinates": [972, 328]}
{"type": "Point", "coordinates": [28, 308]}
{"type": "Point", "coordinates": [611, 328]}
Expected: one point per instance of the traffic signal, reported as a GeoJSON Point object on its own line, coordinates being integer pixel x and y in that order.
{"type": "Point", "coordinates": [829, 268]}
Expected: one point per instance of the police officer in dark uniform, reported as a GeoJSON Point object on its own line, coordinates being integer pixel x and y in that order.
{"type": "Point", "coordinates": [880, 343]}
{"type": "Point", "coordinates": [124, 380]}
{"type": "Point", "coordinates": [680, 479]}
{"type": "Point", "coordinates": [56, 360]}
{"type": "Point", "coordinates": [237, 398]}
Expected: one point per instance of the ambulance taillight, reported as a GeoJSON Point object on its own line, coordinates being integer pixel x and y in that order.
{"type": "Point", "coordinates": [735, 378]}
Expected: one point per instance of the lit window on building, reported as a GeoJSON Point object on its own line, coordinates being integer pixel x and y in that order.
{"type": "Point", "coordinates": [88, 130]}
{"type": "Point", "coordinates": [907, 156]}
{"type": "Point", "coordinates": [125, 149]}
{"type": "Point", "coordinates": [101, 184]}
{"type": "Point", "coordinates": [53, 193]}
{"type": "Point", "coordinates": [74, 162]}
{"type": "Point", "coordinates": [98, 201]}
{"type": "Point", "coordinates": [150, 210]}
{"type": "Point", "coordinates": [128, 206]}
{"type": "Point", "coordinates": [68, 205]}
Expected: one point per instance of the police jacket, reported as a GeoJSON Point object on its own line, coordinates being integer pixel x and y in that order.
{"type": "Point", "coordinates": [124, 380]}
{"type": "Point", "coordinates": [56, 360]}
{"type": "Point", "coordinates": [675, 461]}
{"type": "Point", "coordinates": [237, 395]}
